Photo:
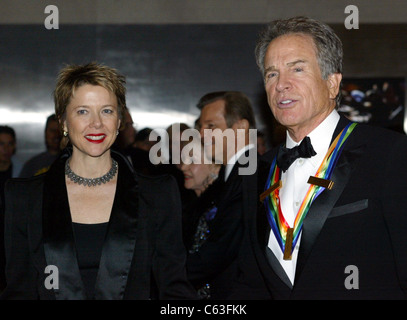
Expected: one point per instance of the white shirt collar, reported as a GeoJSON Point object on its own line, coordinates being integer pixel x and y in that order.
{"type": "Point", "coordinates": [231, 162]}
{"type": "Point", "coordinates": [320, 137]}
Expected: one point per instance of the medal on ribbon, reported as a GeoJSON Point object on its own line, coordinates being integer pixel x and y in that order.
{"type": "Point", "coordinates": [287, 236]}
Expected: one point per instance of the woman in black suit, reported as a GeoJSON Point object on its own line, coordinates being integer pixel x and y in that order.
{"type": "Point", "coordinates": [92, 228]}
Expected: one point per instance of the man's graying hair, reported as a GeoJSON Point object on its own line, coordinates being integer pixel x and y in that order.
{"type": "Point", "coordinates": [327, 43]}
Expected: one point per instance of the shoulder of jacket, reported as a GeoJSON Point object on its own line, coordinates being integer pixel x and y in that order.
{"type": "Point", "coordinates": [23, 190]}
{"type": "Point", "coordinates": [153, 178]}
{"type": "Point", "coordinates": [35, 180]}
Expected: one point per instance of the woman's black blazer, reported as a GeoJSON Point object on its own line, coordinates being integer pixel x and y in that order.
{"type": "Point", "coordinates": [143, 256]}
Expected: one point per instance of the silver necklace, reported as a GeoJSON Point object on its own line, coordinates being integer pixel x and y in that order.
{"type": "Point", "coordinates": [91, 182]}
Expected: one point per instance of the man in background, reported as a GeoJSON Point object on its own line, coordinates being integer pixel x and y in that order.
{"type": "Point", "coordinates": [215, 264]}
{"type": "Point", "coordinates": [41, 162]}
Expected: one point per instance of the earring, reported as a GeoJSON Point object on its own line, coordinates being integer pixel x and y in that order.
{"type": "Point", "coordinates": [117, 132]}
{"type": "Point", "coordinates": [65, 133]}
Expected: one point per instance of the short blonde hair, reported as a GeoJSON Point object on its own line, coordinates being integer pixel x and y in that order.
{"type": "Point", "coordinates": [72, 77]}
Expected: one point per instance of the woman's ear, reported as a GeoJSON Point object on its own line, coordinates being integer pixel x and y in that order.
{"type": "Point", "coordinates": [64, 126]}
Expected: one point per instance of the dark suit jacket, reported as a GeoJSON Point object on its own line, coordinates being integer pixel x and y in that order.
{"type": "Point", "coordinates": [142, 252]}
{"type": "Point", "coordinates": [216, 261]}
{"type": "Point", "coordinates": [361, 222]}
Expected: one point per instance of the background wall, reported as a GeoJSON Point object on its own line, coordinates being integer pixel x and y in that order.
{"type": "Point", "coordinates": [194, 11]}
{"type": "Point", "coordinates": [172, 53]}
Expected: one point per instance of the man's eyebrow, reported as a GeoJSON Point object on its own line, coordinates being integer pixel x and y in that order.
{"type": "Point", "coordinates": [289, 64]}
{"type": "Point", "coordinates": [268, 69]}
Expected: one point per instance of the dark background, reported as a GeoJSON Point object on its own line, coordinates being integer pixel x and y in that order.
{"type": "Point", "coordinates": [168, 68]}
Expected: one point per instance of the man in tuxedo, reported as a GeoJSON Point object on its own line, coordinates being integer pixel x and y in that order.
{"type": "Point", "coordinates": [329, 217]}
{"type": "Point", "coordinates": [225, 122]}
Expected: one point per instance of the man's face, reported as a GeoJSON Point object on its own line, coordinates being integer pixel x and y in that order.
{"type": "Point", "coordinates": [298, 96]}
{"type": "Point", "coordinates": [7, 147]}
{"type": "Point", "coordinates": [212, 117]}
{"type": "Point", "coordinates": [53, 137]}
{"type": "Point", "coordinates": [221, 140]}
{"type": "Point", "coordinates": [128, 133]}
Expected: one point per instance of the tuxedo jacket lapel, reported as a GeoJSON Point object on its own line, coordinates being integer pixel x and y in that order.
{"type": "Point", "coordinates": [118, 249]}
{"type": "Point", "coordinates": [59, 246]}
{"type": "Point", "coordinates": [319, 210]}
{"type": "Point", "coordinates": [323, 205]}
{"type": "Point", "coordinates": [264, 229]}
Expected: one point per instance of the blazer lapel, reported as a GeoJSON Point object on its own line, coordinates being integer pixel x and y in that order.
{"type": "Point", "coordinates": [59, 244]}
{"type": "Point", "coordinates": [118, 248]}
{"type": "Point", "coordinates": [323, 205]}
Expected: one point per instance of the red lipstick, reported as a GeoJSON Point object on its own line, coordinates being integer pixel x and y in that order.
{"type": "Point", "coordinates": [95, 138]}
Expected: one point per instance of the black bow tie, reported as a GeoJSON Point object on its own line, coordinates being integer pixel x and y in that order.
{"type": "Point", "coordinates": [285, 156]}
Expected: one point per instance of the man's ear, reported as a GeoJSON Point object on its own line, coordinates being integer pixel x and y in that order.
{"type": "Point", "coordinates": [334, 81]}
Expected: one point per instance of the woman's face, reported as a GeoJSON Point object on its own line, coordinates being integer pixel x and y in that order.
{"type": "Point", "coordinates": [196, 171]}
{"type": "Point", "coordinates": [7, 147]}
{"type": "Point", "coordinates": [92, 120]}
{"type": "Point", "coordinates": [196, 175]}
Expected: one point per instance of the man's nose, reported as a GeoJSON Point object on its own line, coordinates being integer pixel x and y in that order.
{"type": "Point", "coordinates": [283, 82]}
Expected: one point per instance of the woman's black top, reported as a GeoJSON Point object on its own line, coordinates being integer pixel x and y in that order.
{"type": "Point", "coordinates": [89, 242]}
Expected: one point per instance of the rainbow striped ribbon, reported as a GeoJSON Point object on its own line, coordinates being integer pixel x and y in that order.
{"type": "Point", "coordinates": [275, 216]}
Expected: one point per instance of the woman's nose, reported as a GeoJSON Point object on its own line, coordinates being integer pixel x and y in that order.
{"type": "Point", "coordinates": [96, 120]}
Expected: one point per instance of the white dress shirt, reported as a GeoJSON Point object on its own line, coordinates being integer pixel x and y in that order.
{"type": "Point", "coordinates": [295, 186]}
